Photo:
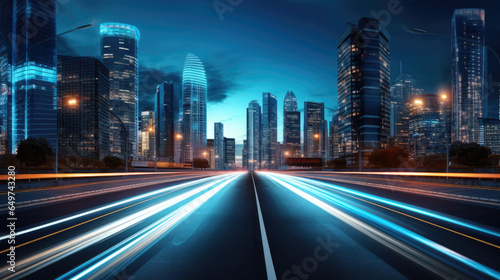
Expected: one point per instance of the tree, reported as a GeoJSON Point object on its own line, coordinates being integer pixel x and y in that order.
{"type": "Point", "coordinates": [34, 152]}
{"type": "Point", "coordinates": [337, 163]}
{"type": "Point", "coordinates": [112, 161]}
{"type": "Point", "coordinates": [200, 163]}
{"type": "Point", "coordinates": [388, 158]}
{"type": "Point", "coordinates": [469, 154]}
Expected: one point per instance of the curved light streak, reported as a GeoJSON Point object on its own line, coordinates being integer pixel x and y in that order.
{"type": "Point", "coordinates": [405, 233]}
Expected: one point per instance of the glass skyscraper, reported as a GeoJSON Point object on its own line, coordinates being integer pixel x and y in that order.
{"type": "Point", "coordinates": [83, 107]}
{"type": "Point", "coordinates": [269, 130]}
{"type": "Point", "coordinates": [468, 74]}
{"type": "Point", "coordinates": [34, 73]}
{"type": "Point", "coordinates": [229, 153]}
{"type": "Point", "coordinates": [147, 141]}
{"type": "Point", "coordinates": [427, 127]}
{"type": "Point", "coordinates": [402, 88]}
{"type": "Point", "coordinates": [291, 125]}
{"type": "Point", "coordinates": [219, 145]}
{"type": "Point", "coordinates": [253, 142]}
{"type": "Point", "coordinates": [194, 92]}
{"type": "Point", "coordinates": [6, 70]}
{"type": "Point", "coordinates": [314, 116]}
{"type": "Point", "coordinates": [363, 64]}
{"type": "Point", "coordinates": [119, 47]}
{"type": "Point", "coordinates": [165, 108]}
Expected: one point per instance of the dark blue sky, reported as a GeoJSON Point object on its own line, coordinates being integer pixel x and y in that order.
{"type": "Point", "coordinates": [268, 45]}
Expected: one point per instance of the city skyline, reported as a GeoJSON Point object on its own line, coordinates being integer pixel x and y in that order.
{"type": "Point", "coordinates": [321, 36]}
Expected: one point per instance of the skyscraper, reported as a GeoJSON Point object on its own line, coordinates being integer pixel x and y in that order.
{"type": "Point", "coordinates": [119, 48]}
{"type": "Point", "coordinates": [229, 153]}
{"type": "Point", "coordinates": [314, 116]}
{"type": "Point", "coordinates": [83, 107]}
{"type": "Point", "coordinates": [219, 145]}
{"type": "Point", "coordinates": [253, 143]}
{"type": "Point", "coordinates": [402, 88]}
{"type": "Point", "coordinates": [165, 120]}
{"type": "Point", "coordinates": [6, 71]}
{"type": "Point", "coordinates": [211, 153]}
{"type": "Point", "coordinates": [334, 138]}
{"type": "Point", "coordinates": [194, 92]}
{"type": "Point", "coordinates": [468, 74]}
{"type": "Point", "coordinates": [364, 89]}
{"type": "Point", "coordinates": [34, 78]}
{"type": "Point", "coordinates": [427, 128]}
{"type": "Point", "coordinates": [147, 147]}
{"type": "Point", "coordinates": [291, 125]}
{"type": "Point", "coordinates": [269, 130]}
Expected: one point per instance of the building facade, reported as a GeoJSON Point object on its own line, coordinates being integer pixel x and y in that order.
{"type": "Point", "coordinates": [314, 116]}
{"type": "Point", "coordinates": [253, 143]}
{"type": "Point", "coordinates": [194, 92]}
{"type": "Point", "coordinates": [34, 72]}
{"type": "Point", "coordinates": [164, 108]}
{"type": "Point", "coordinates": [148, 145]}
{"type": "Point", "coordinates": [468, 74]}
{"type": "Point", "coordinates": [363, 63]}
{"type": "Point", "coordinates": [269, 130]}
{"type": "Point", "coordinates": [219, 146]}
{"type": "Point", "coordinates": [404, 87]}
{"type": "Point", "coordinates": [291, 125]}
{"type": "Point", "coordinates": [210, 153]}
{"type": "Point", "coordinates": [119, 49]}
{"type": "Point", "coordinates": [83, 107]}
{"type": "Point", "coordinates": [491, 130]}
{"type": "Point", "coordinates": [7, 59]}
{"type": "Point", "coordinates": [427, 128]}
{"type": "Point", "coordinates": [229, 153]}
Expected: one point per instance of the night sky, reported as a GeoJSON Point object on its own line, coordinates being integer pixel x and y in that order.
{"type": "Point", "coordinates": [268, 45]}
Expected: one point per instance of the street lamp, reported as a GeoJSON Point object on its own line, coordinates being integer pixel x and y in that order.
{"type": "Point", "coordinates": [445, 98]}
{"type": "Point", "coordinates": [72, 102]}
{"type": "Point", "coordinates": [151, 129]}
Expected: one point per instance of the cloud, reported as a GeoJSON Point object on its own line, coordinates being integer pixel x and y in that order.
{"type": "Point", "coordinates": [219, 85]}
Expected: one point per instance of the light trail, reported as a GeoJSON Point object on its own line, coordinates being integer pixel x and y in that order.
{"type": "Point", "coordinates": [51, 255]}
{"type": "Point", "coordinates": [121, 202]}
{"type": "Point", "coordinates": [397, 204]}
{"type": "Point", "coordinates": [124, 253]}
{"type": "Point", "coordinates": [392, 242]}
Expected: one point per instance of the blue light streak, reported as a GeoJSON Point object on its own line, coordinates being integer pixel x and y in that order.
{"type": "Point", "coordinates": [400, 205]}
{"type": "Point", "coordinates": [119, 256]}
{"type": "Point", "coordinates": [380, 222]}
{"type": "Point", "coordinates": [121, 202]}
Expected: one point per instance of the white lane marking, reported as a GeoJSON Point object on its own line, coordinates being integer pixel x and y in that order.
{"type": "Point", "coordinates": [271, 273]}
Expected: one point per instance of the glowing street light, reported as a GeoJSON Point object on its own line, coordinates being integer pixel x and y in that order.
{"type": "Point", "coordinates": [418, 102]}
{"type": "Point", "coordinates": [316, 135]}
{"type": "Point", "coordinates": [150, 129]}
{"type": "Point", "coordinates": [72, 102]}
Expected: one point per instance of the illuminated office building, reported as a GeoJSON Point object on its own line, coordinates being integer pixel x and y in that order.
{"type": "Point", "coordinates": [6, 70]}
{"type": "Point", "coordinates": [219, 145]}
{"type": "Point", "coordinates": [148, 131]}
{"type": "Point", "coordinates": [291, 125]}
{"type": "Point", "coordinates": [363, 64]}
{"type": "Point", "coordinates": [119, 48]}
{"type": "Point", "coordinates": [253, 142]}
{"type": "Point", "coordinates": [229, 153]}
{"type": "Point", "coordinates": [426, 125]}
{"type": "Point", "coordinates": [83, 107]}
{"type": "Point", "coordinates": [34, 72]}
{"type": "Point", "coordinates": [314, 138]}
{"type": "Point", "coordinates": [165, 108]}
{"type": "Point", "coordinates": [269, 130]}
{"type": "Point", "coordinates": [468, 74]}
{"type": "Point", "coordinates": [402, 88]}
{"type": "Point", "coordinates": [194, 91]}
